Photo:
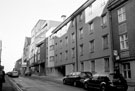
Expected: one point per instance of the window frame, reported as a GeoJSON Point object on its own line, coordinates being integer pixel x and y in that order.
{"type": "Point", "coordinates": [91, 46]}
{"type": "Point", "coordinates": [124, 42]}
{"type": "Point", "coordinates": [121, 13]}
{"type": "Point", "coordinates": [105, 41]}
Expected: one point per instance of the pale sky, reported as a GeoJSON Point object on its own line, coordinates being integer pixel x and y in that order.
{"type": "Point", "coordinates": [18, 17]}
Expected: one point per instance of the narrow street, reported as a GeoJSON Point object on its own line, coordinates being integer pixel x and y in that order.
{"type": "Point", "coordinates": [37, 85]}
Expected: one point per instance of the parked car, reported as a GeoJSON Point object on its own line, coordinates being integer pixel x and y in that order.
{"type": "Point", "coordinates": [28, 72]}
{"type": "Point", "coordinates": [14, 74]}
{"type": "Point", "coordinates": [76, 78]}
{"type": "Point", "coordinates": [104, 82]}
{"type": "Point", "coordinates": [9, 73]}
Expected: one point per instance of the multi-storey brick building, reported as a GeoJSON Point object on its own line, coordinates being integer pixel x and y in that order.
{"type": "Point", "coordinates": [38, 46]}
{"type": "Point", "coordinates": [82, 41]}
{"type": "Point", "coordinates": [25, 56]}
{"type": "Point", "coordinates": [122, 13]}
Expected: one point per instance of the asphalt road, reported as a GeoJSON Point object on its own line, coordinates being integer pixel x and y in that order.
{"type": "Point", "coordinates": [36, 85]}
{"type": "Point", "coordinates": [43, 84]}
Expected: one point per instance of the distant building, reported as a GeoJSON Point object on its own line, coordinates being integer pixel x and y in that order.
{"type": "Point", "coordinates": [50, 53]}
{"type": "Point", "coordinates": [38, 35]}
{"type": "Point", "coordinates": [26, 51]}
{"type": "Point", "coordinates": [82, 41]}
{"type": "Point", "coordinates": [18, 65]}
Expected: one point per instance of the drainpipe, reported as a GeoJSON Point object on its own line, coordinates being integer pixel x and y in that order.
{"type": "Point", "coordinates": [76, 44]}
{"type": "Point", "coordinates": [111, 40]}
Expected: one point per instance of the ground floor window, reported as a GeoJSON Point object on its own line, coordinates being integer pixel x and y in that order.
{"type": "Point", "coordinates": [93, 66]}
{"type": "Point", "coordinates": [82, 66]}
{"type": "Point", "coordinates": [127, 70]}
{"type": "Point", "coordinates": [107, 66]}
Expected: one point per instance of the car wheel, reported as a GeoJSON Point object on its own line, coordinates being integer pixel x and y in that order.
{"type": "Point", "coordinates": [103, 88]}
{"type": "Point", "coordinates": [75, 84]}
{"type": "Point", "coordinates": [64, 82]}
{"type": "Point", "coordinates": [85, 86]}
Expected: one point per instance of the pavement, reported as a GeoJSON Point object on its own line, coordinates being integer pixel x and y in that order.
{"type": "Point", "coordinates": [7, 86]}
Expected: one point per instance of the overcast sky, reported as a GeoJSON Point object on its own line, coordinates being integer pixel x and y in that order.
{"type": "Point", "coordinates": [18, 17]}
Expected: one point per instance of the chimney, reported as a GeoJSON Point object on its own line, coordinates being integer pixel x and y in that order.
{"type": "Point", "coordinates": [63, 17]}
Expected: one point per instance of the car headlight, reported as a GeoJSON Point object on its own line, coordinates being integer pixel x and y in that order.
{"type": "Point", "coordinates": [86, 79]}
{"type": "Point", "coordinates": [111, 84]}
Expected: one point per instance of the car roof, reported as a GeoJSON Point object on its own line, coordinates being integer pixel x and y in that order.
{"type": "Point", "coordinates": [78, 72]}
{"type": "Point", "coordinates": [100, 74]}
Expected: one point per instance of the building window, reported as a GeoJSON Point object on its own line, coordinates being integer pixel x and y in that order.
{"type": "Point", "coordinates": [56, 57]}
{"type": "Point", "coordinates": [127, 70]}
{"type": "Point", "coordinates": [66, 40]}
{"type": "Point", "coordinates": [73, 22]}
{"type": "Point", "coordinates": [107, 66]}
{"type": "Point", "coordinates": [56, 45]}
{"type": "Point", "coordinates": [90, 9]}
{"type": "Point", "coordinates": [91, 27]}
{"type": "Point", "coordinates": [122, 28]}
{"type": "Point", "coordinates": [81, 50]}
{"type": "Point", "coordinates": [105, 42]}
{"type": "Point", "coordinates": [124, 41]}
{"type": "Point", "coordinates": [51, 47]}
{"type": "Point", "coordinates": [60, 43]}
{"type": "Point", "coordinates": [91, 46]}
{"type": "Point", "coordinates": [121, 15]}
{"type": "Point", "coordinates": [73, 53]}
{"type": "Point", "coordinates": [60, 56]}
{"type": "Point", "coordinates": [73, 37]}
{"type": "Point", "coordinates": [82, 66]}
{"type": "Point", "coordinates": [66, 54]}
{"type": "Point", "coordinates": [51, 58]}
{"type": "Point", "coordinates": [38, 53]}
{"type": "Point", "coordinates": [81, 33]}
{"type": "Point", "coordinates": [81, 16]}
{"type": "Point", "coordinates": [104, 21]}
{"type": "Point", "coordinates": [93, 66]}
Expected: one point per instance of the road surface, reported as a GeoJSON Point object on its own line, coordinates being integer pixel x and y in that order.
{"type": "Point", "coordinates": [37, 85]}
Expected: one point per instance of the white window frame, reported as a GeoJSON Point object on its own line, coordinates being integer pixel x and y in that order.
{"type": "Point", "coordinates": [91, 27]}
{"type": "Point", "coordinates": [124, 41]}
{"type": "Point", "coordinates": [73, 52]}
{"type": "Point", "coordinates": [93, 66]}
{"type": "Point", "coordinates": [121, 14]}
{"type": "Point", "coordinates": [91, 46]}
{"type": "Point", "coordinates": [81, 33]}
{"type": "Point", "coordinates": [90, 10]}
{"type": "Point", "coordinates": [127, 70]}
{"type": "Point", "coordinates": [107, 65]}
{"type": "Point", "coordinates": [81, 50]}
{"type": "Point", "coordinates": [104, 21]}
{"type": "Point", "coordinates": [66, 38]}
{"type": "Point", "coordinates": [73, 37]}
{"type": "Point", "coordinates": [105, 41]}
{"type": "Point", "coordinates": [66, 54]}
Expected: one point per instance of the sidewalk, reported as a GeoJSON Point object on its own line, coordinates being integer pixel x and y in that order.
{"type": "Point", "coordinates": [7, 86]}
